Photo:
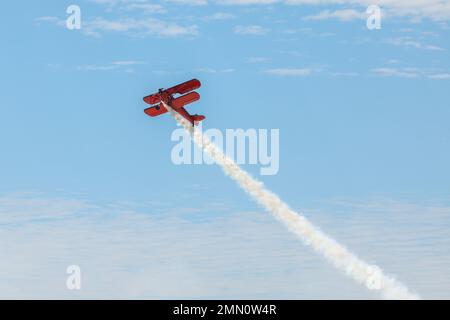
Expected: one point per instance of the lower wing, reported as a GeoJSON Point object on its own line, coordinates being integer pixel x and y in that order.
{"type": "Point", "coordinates": [156, 111]}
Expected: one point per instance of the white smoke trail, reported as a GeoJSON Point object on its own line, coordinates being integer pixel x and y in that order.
{"type": "Point", "coordinates": [369, 275]}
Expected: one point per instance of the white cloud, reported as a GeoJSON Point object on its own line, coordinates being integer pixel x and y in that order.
{"type": "Point", "coordinates": [251, 30]}
{"type": "Point", "coordinates": [258, 59]}
{"type": "Point", "coordinates": [308, 32]}
{"type": "Point", "coordinates": [146, 7]}
{"type": "Point", "coordinates": [212, 70]}
{"type": "Point", "coordinates": [289, 72]}
{"type": "Point", "coordinates": [150, 253]}
{"type": "Point", "coordinates": [438, 10]}
{"type": "Point", "coordinates": [394, 72]}
{"type": "Point", "coordinates": [126, 62]}
{"type": "Point", "coordinates": [50, 19]}
{"type": "Point", "coordinates": [142, 6]}
{"type": "Point", "coordinates": [440, 76]}
{"type": "Point", "coordinates": [93, 67]}
{"type": "Point", "coordinates": [343, 15]}
{"type": "Point", "coordinates": [115, 65]}
{"type": "Point", "coordinates": [143, 27]}
{"type": "Point", "coordinates": [393, 61]}
{"type": "Point", "coordinates": [190, 2]}
{"type": "Point", "coordinates": [140, 27]}
{"type": "Point", "coordinates": [19, 208]}
{"type": "Point", "coordinates": [304, 72]}
{"type": "Point", "coordinates": [220, 16]}
{"type": "Point", "coordinates": [125, 254]}
{"type": "Point", "coordinates": [109, 2]}
{"type": "Point", "coordinates": [412, 73]}
{"type": "Point", "coordinates": [246, 2]}
{"type": "Point", "coordinates": [410, 42]}
{"type": "Point", "coordinates": [344, 74]}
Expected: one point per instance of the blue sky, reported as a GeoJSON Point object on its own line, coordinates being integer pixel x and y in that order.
{"type": "Point", "coordinates": [363, 116]}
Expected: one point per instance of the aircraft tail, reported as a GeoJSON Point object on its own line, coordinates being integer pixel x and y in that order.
{"type": "Point", "coordinates": [197, 119]}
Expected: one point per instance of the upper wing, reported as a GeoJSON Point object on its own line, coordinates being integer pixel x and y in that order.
{"type": "Point", "coordinates": [179, 89]}
{"type": "Point", "coordinates": [184, 87]}
{"type": "Point", "coordinates": [156, 111]}
{"type": "Point", "coordinates": [184, 100]}
{"type": "Point", "coordinates": [152, 99]}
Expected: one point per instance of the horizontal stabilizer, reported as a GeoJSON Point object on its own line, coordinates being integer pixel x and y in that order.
{"type": "Point", "coordinates": [197, 119]}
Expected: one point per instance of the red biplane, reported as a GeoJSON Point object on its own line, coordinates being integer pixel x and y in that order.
{"type": "Point", "coordinates": [187, 96]}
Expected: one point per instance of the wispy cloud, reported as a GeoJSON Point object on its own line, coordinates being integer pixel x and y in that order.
{"type": "Point", "coordinates": [411, 73]}
{"type": "Point", "coordinates": [136, 18]}
{"type": "Point", "coordinates": [395, 72]}
{"type": "Point", "coordinates": [115, 65]}
{"type": "Point", "coordinates": [411, 42]}
{"type": "Point", "coordinates": [18, 208]}
{"type": "Point", "coordinates": [440, 76]}
{"type": "Point", "coordinates": [219, 16]}
{"type": "Point", "coordinates": [148, 8]}
{"type": "Point", "coordinates": [49, 19]}
{"type": "Point", "coordinates": [316, 70]}
{"type": "Point", "coordinates": [190, 2]}
{"type": "Point", "coordinates": [143, 6]}
{"type": "Point", "coordinates": [164, 253]}
{"type": "Point", "coordinates": [246, 2]}
{"type": "Point", "coordinates": [290, 72]}
{"type": "Point", "coordinates": [258, 60]}
{"type": "Point", "coordinates": [148, 255]}
{"type": "Point", "coordinates": [253, 30]}
{"type": "Point", "coordinates": [343, 15]}
{"type": "Point", "coordinates": [438, 10]}
{"type": "Point", "coordinates": [140, 27]}
{"type": "Point", "coordinates": [307, 32]}
{"type": "Point", "coordinates": [212, 70]}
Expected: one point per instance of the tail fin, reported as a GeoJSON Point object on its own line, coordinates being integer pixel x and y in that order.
{"type": "Point", "coordinates": [197, 119]}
